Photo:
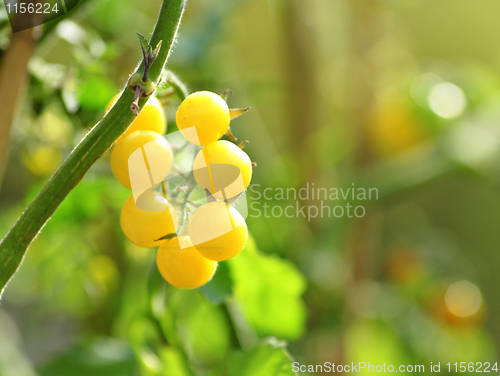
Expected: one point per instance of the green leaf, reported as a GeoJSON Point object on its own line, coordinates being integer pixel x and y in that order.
{"type": "Point", "coordinates": [173, 362]}
{"type": "Point", "coordinates": [372, 341]}
{"type": "Point", "coordinates": [144, 42]}
{"type": "Point", "coordinates": [157, 49]}
{"type": "Point", "coordinates": [103, 357]}
{"type": "Point", "coordinates": [266, 360]}
{"type": "Point", "coordinates": [269, 290]}
{"type": "Point", "coordinates": [202, 327]}
{"type": "Point", "coordinates": [178, 86]}
{"type": "Point", "coordinates": [134, 300]}
{"type": "Point", "coordinates": [95, 92]}
{"type": "Point", "coordinates": [220, 287]}
{"type": "Point", "coordinates": [143, 336]}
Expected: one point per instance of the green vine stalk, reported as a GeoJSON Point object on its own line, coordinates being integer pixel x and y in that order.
{"type": "Point", "coordinates": [14, 245]}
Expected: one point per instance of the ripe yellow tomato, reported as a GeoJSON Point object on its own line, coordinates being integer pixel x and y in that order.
{"type": "Point", "coordinates": [218, 231]}
{"type": "Point", "coordinates": [203, 117]}
{"type": "Point", "coordinates": [151, 118]}
{"type": "Point", "coordinates": [222, 168]}
{"type": "Point", "coordinates": [184, 268]}
{"type": "Point", "coordinates": [392, 129]}
{"type": "Point", "coordinates": [137, 153]}
{"type": "Point", "coordinates": [148, 220]}
{"type": "Point", "coordinates": [42, 160]}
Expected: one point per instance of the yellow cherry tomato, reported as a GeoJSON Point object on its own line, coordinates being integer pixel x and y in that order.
{"type": "Point", "coordinates": [218, 231]}
{"type": "Point", "coordinates": [151, 118]}
{"type": "Point", "coordinates": [392, 129]}
{"type": "Point", "coordinates": [137, 153]}
{"type": "Point", "coordinates": [222, 168]}
{"type": "Point", "coordinates": [184, 268]}
{"type": "Point", "coordinates": [42, 160]}
{"type": "Point", "coordinates": [203, 117]}
{"type": "Point", "coordinates": [147, 220]}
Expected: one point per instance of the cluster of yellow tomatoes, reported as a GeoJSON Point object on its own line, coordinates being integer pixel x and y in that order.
{"type": "Point", "coordinates": [216, 231]}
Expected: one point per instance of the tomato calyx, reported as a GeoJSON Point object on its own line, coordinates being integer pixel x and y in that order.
{"type": "Point", "coordinates": [166, 237]}
{"type": "Point", "coordinates": [243, 144]}
{"type": "Point", "coordinates": [210, 196]}
{"type": "Point", "coordinates": [225, 94]}
{"type": "Point", "coordinates": [230, 135]}
{"type": "Point", "coordinates": [234, 113]}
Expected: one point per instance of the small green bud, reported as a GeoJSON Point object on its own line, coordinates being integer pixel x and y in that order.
{"type": "Point", "coordinates": [135, 80]}
{"type": "Point", "coordinates": [149, 88]}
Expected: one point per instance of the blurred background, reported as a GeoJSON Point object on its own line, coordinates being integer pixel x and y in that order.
{"type": "Point", "coordinates": [401, 96]}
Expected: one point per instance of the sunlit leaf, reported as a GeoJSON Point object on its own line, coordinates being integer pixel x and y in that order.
{"type": "Point", "coordinates": [201, 326]}
{"type": "Point", "coordinates": [173, 362]}
{"type": "Point", "coordinates": [372, 341]}
{"type": "Point", "coordinates": [220, 286]}
{"type": "Point", "coordinates": [269, 290]}
{"type": "Point", "coordinates": [102, 357]}
{"type": "Point", "coordinates": [266, 360]}
{"type": "Point", "coordinates": [95, 92]}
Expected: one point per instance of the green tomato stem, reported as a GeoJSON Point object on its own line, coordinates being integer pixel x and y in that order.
{"type": "Point", "coordinates": [178, 86]}
{"type": "Point", "coordinates": [14, 245]}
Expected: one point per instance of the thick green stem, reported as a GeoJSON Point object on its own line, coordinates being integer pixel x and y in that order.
{"type": "Point", "coordinates": [14, 245]}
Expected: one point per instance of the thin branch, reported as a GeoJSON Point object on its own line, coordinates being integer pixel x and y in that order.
{"type": "Point", "coordinates": [13, 74]}
{"type": "Point", "coordinates": [12, 84]}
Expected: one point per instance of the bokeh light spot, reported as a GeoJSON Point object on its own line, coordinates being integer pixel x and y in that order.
{"type": "Point", "coordinates": [447, 100]}
{"type": "Point", "coordinates": [463, 298]}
